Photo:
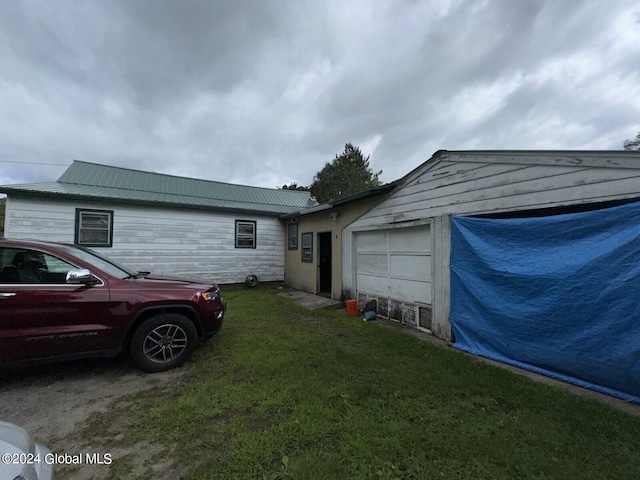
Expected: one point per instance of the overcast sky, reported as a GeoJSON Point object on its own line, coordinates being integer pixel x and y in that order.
{"type": "Point", "coordinates": [266, 92]}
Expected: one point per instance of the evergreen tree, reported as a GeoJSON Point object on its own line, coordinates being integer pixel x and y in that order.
{"type": "Point", "coordinates": [346, 175]}
{"type": "Point", "coordinates": [295, 186]}
{"type": "Point", "coordinates": [632, 144]}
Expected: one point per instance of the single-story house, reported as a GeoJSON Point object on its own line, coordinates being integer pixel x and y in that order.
{"type": "Point", "coordinates": [164, 223]}
{"type": "Point", "coordinates": [527, 257]}
{"type": "Point", "coordinates": [313, 255]}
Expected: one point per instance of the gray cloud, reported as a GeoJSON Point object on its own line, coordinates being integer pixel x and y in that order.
{"type": "Point", "coordinates": [265, 92]}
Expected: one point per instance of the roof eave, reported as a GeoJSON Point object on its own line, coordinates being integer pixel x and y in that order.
{"type": "Point", "coordinates": [120, 201]}
{"type": "Point", "coordinates": [372, 192]}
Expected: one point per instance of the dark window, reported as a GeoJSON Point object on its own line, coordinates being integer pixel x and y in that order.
{"type": "Point", "coordinates": [94, 228]}
{"type": "Point", "coordinates": [292, 235]}
{"type": "Point", "coordinates": [307, 247]}
{"type": "Point", "coordinates": [245, 234]}
{"type": "Point", "coordinates": [31, 267]}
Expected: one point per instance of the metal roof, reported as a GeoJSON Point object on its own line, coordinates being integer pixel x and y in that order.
{"type": "Point", "coordinates": [101, 182]}
{"type": "Point", "coordinates": [372, 192]}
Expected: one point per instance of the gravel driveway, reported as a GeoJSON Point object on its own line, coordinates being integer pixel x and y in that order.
{"type": "Point", "coordinates": [53, 403]}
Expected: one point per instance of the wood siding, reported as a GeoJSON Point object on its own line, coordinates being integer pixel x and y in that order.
{"type": "Point", "coordinates": [440, 325]}
{"type": "Point", "coordinates": [164, 241]}
{"type": "Point", "coordinates": [469, 188]}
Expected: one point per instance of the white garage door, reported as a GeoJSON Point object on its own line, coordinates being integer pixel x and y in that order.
{"type": "Point", "coordinates": [395, 264]}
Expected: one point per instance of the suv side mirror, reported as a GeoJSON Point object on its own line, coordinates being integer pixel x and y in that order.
{"type": "Point", "coordinates": [79, 276]}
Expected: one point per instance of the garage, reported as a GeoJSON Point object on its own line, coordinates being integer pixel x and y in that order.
{"type": "Point", "coordinates": [394, 268]}
{"type": "Point", "coordinates": [400, 252]}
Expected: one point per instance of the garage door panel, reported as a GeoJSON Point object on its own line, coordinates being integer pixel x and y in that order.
{"type": "Point", "coordinates": [410, 290]}
{"type": "Point", "coordinates": [372, 242]}
{"type": "Point", "coordinates": [373, 263]}
{"type": "Point", "coordinates": [373, 284]}
{"type": "Point", "coordinates": [411, 266]}
{"type": "Point", "coordinates": [412, 239]}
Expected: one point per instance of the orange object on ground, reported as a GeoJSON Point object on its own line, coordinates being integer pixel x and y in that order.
{"type": "Point", "coordinates": [352, 308]}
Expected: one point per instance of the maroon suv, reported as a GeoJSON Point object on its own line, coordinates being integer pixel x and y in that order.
{"type": "Point", "coordinates": [63, 301]}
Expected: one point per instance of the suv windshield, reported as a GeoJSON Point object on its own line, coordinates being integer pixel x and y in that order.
{"type": "Point", "coordinates": [111, 267]}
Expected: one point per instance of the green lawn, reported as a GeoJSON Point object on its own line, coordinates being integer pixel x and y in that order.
{"type": "Point", "coordinates": [284, 393]}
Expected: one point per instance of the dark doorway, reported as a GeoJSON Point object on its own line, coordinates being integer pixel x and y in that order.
{"type": "Point", "coordinates": [324, 264]}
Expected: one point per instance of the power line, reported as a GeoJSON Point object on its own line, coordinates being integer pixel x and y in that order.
{"type": "Point", "coordinates": [35, 163]}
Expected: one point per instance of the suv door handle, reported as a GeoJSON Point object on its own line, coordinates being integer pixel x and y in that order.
{"type": "Point", "coordinates": [5, 295]}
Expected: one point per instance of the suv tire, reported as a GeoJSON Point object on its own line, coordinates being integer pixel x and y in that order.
{"type": "Point", "coordinates": [163, 342]}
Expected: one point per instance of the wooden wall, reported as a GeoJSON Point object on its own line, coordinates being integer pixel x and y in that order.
{"type": "Point", "coordinates": [164, 241]}
{"type": "Point", "coordinates": [473, 185]}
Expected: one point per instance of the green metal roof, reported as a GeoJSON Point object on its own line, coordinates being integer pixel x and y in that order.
{"type": "Point", "coordinates": [372, 192]}
{"type": "Point", "coordinates": [101, 182]}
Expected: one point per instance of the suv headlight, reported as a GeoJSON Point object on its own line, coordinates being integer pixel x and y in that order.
{"type": "Point", "coordinates": [211, 296]}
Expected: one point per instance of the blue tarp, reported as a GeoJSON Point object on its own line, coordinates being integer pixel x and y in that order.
{"type": "Point", "coordinates": [559, 295]}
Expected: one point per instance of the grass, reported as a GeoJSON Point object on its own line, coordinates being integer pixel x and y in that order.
{"type": "Point", "coordinates": [284, 393]}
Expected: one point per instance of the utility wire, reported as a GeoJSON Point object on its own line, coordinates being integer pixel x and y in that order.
{"type": "Point", "coordinates": [35, 163]}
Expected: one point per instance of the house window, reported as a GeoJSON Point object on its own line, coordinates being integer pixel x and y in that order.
{"type": "Point", "coordinates": [245, 234]}
{"type": "Point", "coordinates": [307, 247]}
{"type": "Point", "coordinates": [292, 235]}
{"type": "Point", "coordinates": [94, 228]}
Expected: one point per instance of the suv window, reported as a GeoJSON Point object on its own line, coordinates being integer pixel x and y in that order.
{"type": "Point", "coordinates": [23, 266]}
{"type": "Point", "coordinates": [107, 265]}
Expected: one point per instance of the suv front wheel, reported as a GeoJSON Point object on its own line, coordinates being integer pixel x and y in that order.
{"type": "Point", "coordinates": [163, 342]}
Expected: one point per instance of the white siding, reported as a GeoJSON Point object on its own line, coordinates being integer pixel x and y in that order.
{"type": "Point", "coordinates": [471, 188]}
{"type": "Point", "coordinates": [176, 241]}
{"type": "Point", "coordinates": [38, 220]}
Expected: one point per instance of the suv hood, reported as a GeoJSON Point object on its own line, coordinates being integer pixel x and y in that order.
{"type": "Point", "coordinates": [160, 281]}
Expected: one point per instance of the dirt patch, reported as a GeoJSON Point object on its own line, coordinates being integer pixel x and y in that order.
{"type": "Point", "coordinates": [55, 402]}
